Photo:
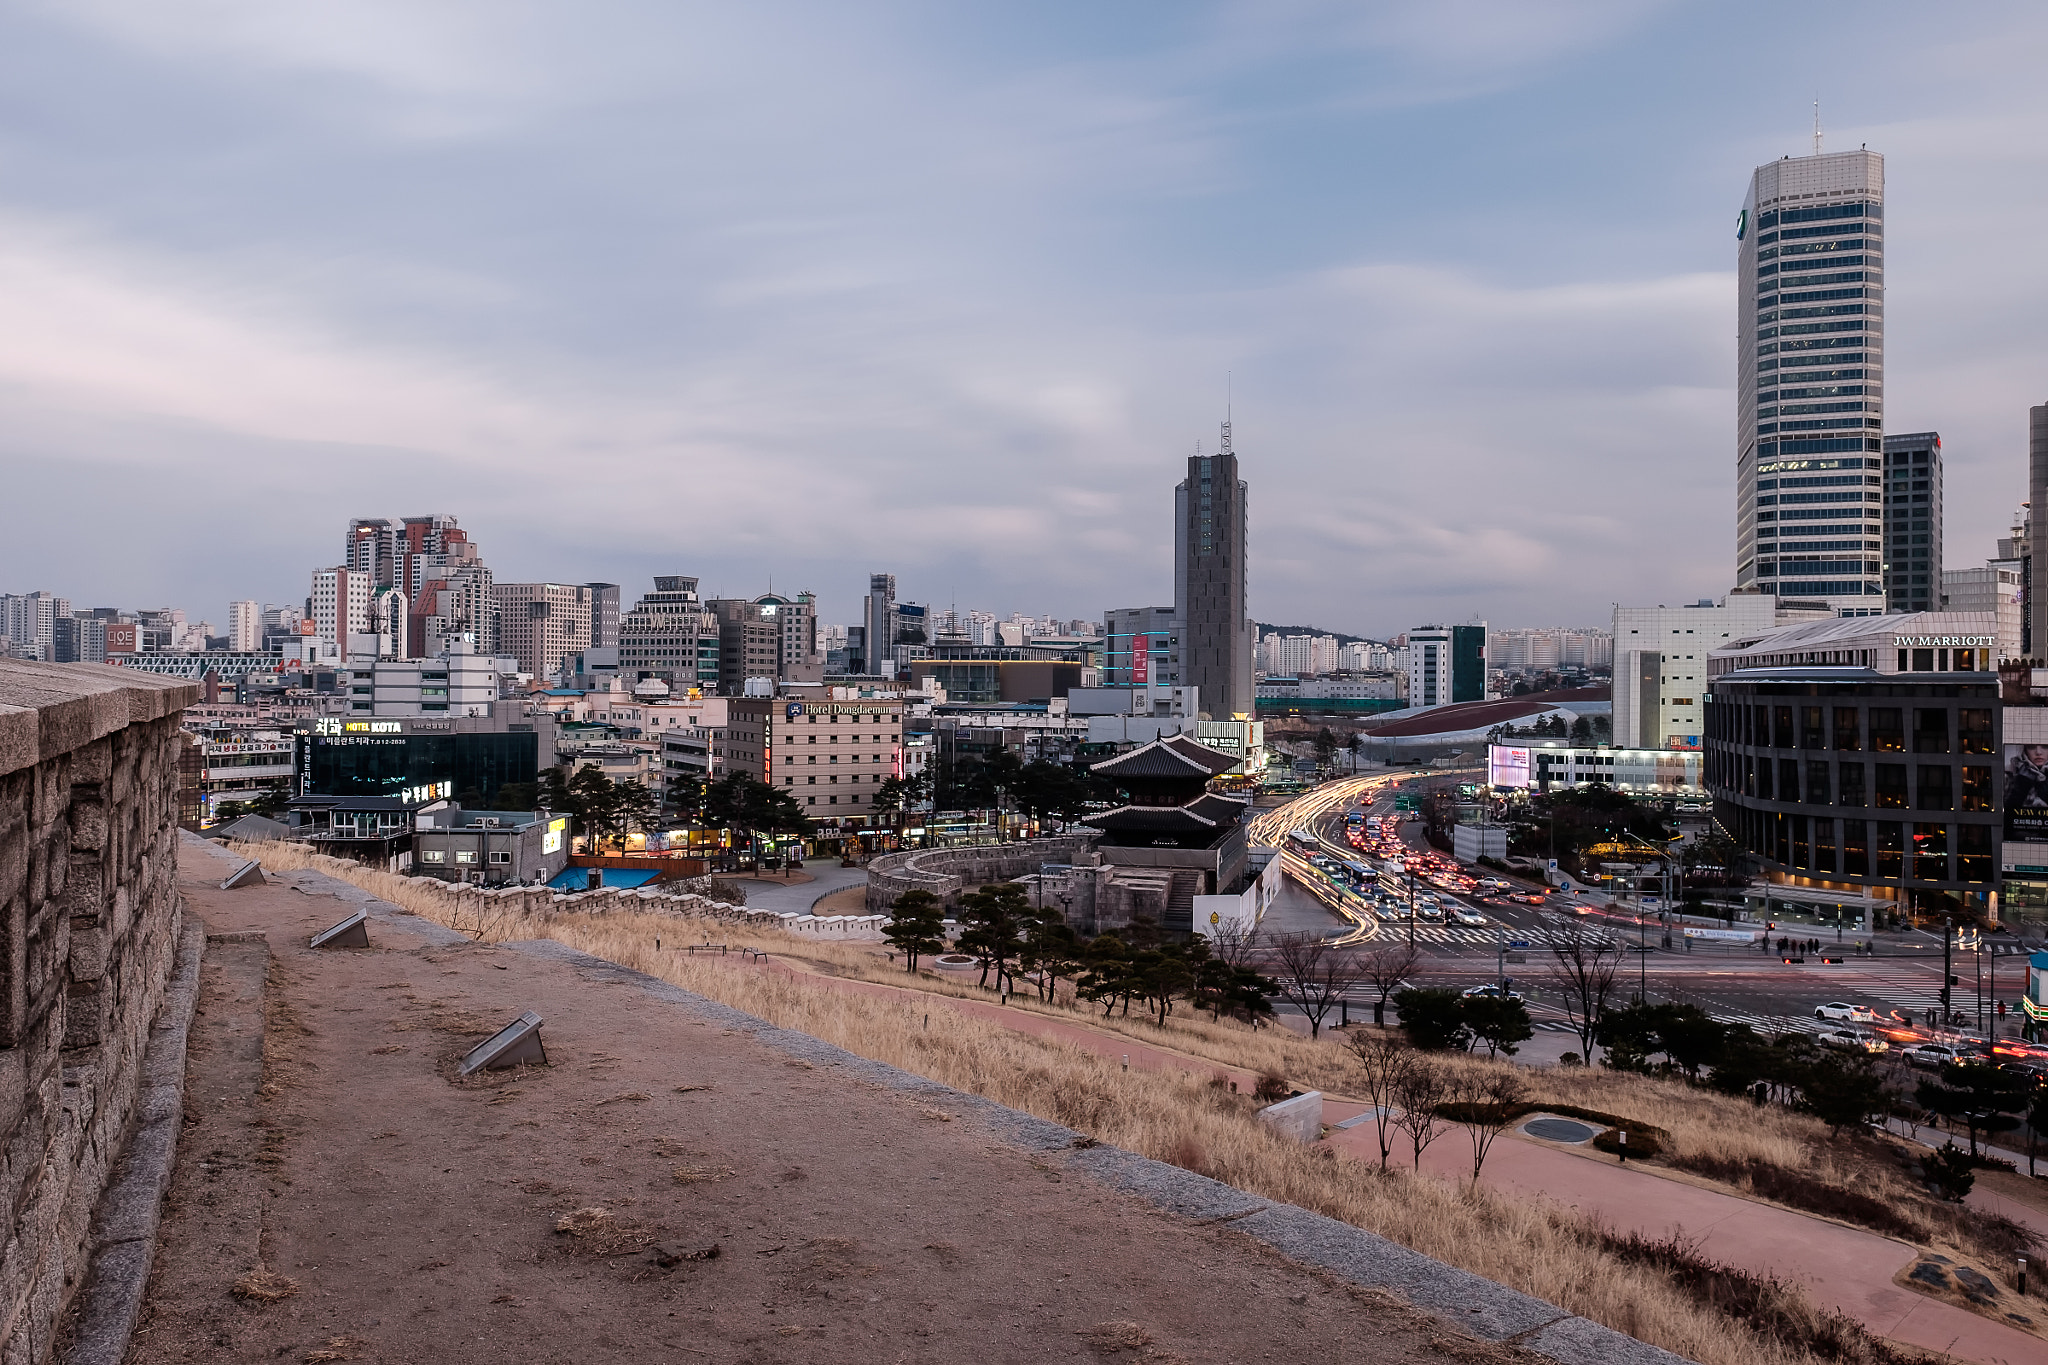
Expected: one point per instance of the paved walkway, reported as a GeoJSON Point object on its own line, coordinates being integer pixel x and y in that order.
{"type": "Point", "coordinates": [825, 877]}
{"type": "Point", "coordinates": [1843, 1268]}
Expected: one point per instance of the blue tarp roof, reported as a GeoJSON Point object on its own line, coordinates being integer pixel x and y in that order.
{"type": "Point", "coordinates": [578, 878]}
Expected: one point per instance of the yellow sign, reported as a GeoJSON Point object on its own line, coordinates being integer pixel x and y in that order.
{"type": "Point", "coordinates": [551, 842]}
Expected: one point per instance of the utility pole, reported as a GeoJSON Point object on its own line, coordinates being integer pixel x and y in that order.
{"type": "Point", "coordinates": [1948, 934]}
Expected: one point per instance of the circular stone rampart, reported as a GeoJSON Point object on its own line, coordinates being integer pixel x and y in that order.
{"type": "Point", "coordinates": [946, 872]}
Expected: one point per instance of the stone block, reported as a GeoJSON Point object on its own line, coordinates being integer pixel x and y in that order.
{"type": "Point", "coordinates": [20, 738]}
{"type": "Point", "coordinates": [1300, 1118]}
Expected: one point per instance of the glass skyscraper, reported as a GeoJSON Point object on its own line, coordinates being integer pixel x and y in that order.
{"type": "Point", "coordinates": [1809, 517]}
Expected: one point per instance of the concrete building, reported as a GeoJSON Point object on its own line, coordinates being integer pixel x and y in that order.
{"type": "Point", "coordinates": [458, 682]}
{"type": "Point", "coordinates": [604, 615]}
{"type": "Point", "coordinates": [340, 605]}
{"type": "Point", "coordinates": [670, 635]}
{"type": "Point", "coordinates": [1446, 664]}
{"type": "Point", "coordinates": [878, 625]}
{"type": "Point", "coordinates": [799, 656]}
{"type": "Point", "coordinates": [1299, 656]}
{"type": "Point", "coordinates": [28, 621]}
{"type": "Point", "coordinates": [1912, 522]}
{"type": "Point", "coordinates": [2037, 528]}
{"type": "Point", "coordinates": [1923, 642]}
{"type": "Point", "coordinates": [245, 626]}
{"type": "Point", "coordinates": [1810, 381]}
{"type": "Point", "coordinates": [240, 765]}
{"type": "Point", "coordinates": [542, 624]}
{"type": "Point", "coordinates": [1218, 639]}
{"type": "Point", "coordinates": [413, 756]}
{"type": "Point", "coordinates": [831, 752]}
{"type": "Point", "coordinates": [1548, 765]}
{"type": "Point", "coordinates": [749, 643]}
{"type": "Point", "coordinates": [1993, 590]}
{"type": "Point", "coordinates": [489, 847]}
{"type": "Point", "coordinates": [1660, 663]}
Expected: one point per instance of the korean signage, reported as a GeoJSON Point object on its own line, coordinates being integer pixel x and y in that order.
{"type": "Point", "coordinates": [551, 842]}
{"type": "Point", "coordinates": [2026, 793]}
{"type": "Point", "coordinates": [1141, 660]}
{"type": "Point", "coordinates": [429, 791]}
{"type": "Point", "coordinates": [334, 725]}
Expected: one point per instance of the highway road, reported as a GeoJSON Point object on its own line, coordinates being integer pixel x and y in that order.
{"type": "Point", "coordinates": [1734, 982]}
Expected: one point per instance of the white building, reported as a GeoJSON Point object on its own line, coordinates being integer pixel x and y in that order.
{"type": "Point", "coordinates": [1299, 655]}
{"type": "Point", "coordinates": [341, 605]}
{"type": "Point", "coordinates": [1809, 375]}
{"type": "Point", "coordinates": [1994, 589]}
{"type": "Point", "coordinates": [1916, 642]}
{"type": "Point", "coordinates": [1660, 662]}
{"type": "Point", "coordinates": [245, 626]}
{"type": "Point", "coordinates": [459, 682]}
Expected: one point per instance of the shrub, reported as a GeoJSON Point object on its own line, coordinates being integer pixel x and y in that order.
{"type": "Point", "coordinates": [1272, 1088]}
{"type": "Point", "coordinates": [1571, 1059]}
{"type": "Point", "coordinates": [1642, 1141]}
{"type": "Point", "coordinates": [1948, 1170]}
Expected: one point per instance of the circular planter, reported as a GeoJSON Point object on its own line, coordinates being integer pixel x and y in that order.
{"type": "Point", "coordinates": [954, 962]}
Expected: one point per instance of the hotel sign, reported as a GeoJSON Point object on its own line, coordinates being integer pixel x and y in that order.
{"type": "Point", "coordinates": [1943, 641]}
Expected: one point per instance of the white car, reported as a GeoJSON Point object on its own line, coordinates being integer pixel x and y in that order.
{"type": "Point", "coordinates": [1847, 1014]}
{"type": "Point", "coordinates": [1933, 1056]}
{"type": "Point", "coordinates": [1465, 914]}
{"type": "Point", "coordinates": [1851, 1040]}
{"type": "Point", "coordinates": [1490, 992]}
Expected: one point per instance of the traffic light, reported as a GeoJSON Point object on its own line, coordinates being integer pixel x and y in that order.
{"type": "Point", "coordinates": [1955, 981]}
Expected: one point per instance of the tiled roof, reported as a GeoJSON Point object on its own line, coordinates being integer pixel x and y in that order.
{"type": "Point", "coordinates": [1173, 756]}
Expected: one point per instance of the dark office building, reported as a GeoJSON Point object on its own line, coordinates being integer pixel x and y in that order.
{"type": "Point", "coordinates": [1843, 778]}
{"type": "Point", "coordinates": [1218, 640]}
{"type": "Point", "coordinates": [336, 757]}
{"type": "Point", "coordinates": [1912, 522]}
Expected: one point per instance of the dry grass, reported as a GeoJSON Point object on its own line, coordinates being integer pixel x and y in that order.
{"type": "Point", "coordinates": [1532, 1245]}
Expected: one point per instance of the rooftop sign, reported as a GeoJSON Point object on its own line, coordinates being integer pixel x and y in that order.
{"type": "Point", "coordinates": [1943, 641]}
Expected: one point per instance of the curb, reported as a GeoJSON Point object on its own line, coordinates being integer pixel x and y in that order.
{"type": "Point", "coordinates": [124, 1225]}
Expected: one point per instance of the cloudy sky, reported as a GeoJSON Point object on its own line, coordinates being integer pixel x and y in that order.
{"type": "Point", "coordinates": [799, 291]}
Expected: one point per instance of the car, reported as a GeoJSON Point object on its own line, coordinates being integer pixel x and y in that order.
{"type": "Point", "coordinates": [1465, 914]}
{"type": "Point", "coordinates": [1845, 1013]}
{"type": "Point", "coordinates": [1490, 993]}
{"type": "Point", "coordinates": [1932, 1056]}
{"type": "Point", "coordinates": [1851, 1040]}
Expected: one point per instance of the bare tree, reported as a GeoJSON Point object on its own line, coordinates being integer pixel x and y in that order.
{"type": "Point", "coordinates": [1487, 1100]}
{"type": "Point", "coordinates": [1423, 1088]}
{"type": "Point", "coordinates": [1383, 1062]}
{"type": "Point", "coordinates": [1313, 974]}
{"type": "Point", "coordinates": [1583, 969]}
{"type": "Point", "coordinates": [1387, 969]}
{"type": "Point", "coordinates": [1235, 945]}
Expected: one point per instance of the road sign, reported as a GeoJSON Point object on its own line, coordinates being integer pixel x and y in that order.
{"type": "Point", "coordinates": [1518, 943]}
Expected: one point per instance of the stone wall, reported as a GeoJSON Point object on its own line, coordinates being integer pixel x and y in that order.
{"type": "Point", "coordinates": [89, 923]}
{"type": "Point", "coordinates": [945, 872]}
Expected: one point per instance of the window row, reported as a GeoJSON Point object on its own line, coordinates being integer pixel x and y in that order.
{"type": "Point", "coordinates": [1847, 728]}
{"type": "Point", "coordinates": [1847, 782]}
{"type": "Point", "coordinates": [1887, 850]}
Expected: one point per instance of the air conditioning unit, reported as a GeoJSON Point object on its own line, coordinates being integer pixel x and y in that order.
{"type": "Point", "coordinates": [489, 822]}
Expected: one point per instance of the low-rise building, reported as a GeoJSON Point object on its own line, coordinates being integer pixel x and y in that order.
{"type": "Point", "coordinates": [1547, 767]}
{"type": "Point", "coordinates": [457, 682]}
{"type": "Point", "coordinates": [831, 752]}
{"type": "Point", "coordinates": [489, 847]}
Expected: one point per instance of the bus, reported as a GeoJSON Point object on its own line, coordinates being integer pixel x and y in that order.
{"type": "Point", "coordinates": [1302, 842]}
{"type": "Point", "coordinates": [1362, 876]}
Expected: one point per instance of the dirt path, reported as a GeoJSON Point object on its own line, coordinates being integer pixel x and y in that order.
{"type": "Point", "coordinates": [727, 1201]}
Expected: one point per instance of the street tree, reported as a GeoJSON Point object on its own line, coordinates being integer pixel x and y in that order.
{"type": "Point", "coordinates": [1981, 1097]}
{"type": "Point", "coordinates": [1487, 1100]}
{"type": "Point", "coordinates": [1433, 1018]}
{"type": "Point", "coordinates": [1383, 1062]}
{"type": "Point", "coordinates": [994, 918]}
{"type": "Point", "coordinates": [1242, 991]}
{"type": "Point", "coordinates": [1498, 1022]}
{"type": "Point", "coordinates": [1387, 969]}
{"type": "Point", "coordinates": [1418, 1098]}
{"type": "Point", "coordinates": [1108, 978]}
{"type": "Point", "coordinates": [1050, 950]}
{"type": "Point", "coordinates": [1582, 968]}
{"type": "Point", "coordinates": [916, 926]}
{"type": "Point", "coordinates": [1843, 1091]}
{"type": "Point", "coordinates": [750, 807]}
{"type": "Point", "coordinates": [1313, 975]}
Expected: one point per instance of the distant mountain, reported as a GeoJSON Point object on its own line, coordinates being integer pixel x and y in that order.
{"type": "Point", "coordinates": [1342, 638]}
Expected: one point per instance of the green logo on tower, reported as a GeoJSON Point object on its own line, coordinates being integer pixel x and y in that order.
{"type": "Point", "coordinates": [1741, 225]}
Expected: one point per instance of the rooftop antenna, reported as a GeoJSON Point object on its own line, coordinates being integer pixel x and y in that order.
{"type": "Point", "coordinates": [1816, 125]}
{"type": "Point", "coordinates": [1228, 377]}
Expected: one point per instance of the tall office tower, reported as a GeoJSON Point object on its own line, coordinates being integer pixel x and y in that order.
{"type": "Point", "coordinates": [878, 624]}
{"type": "Point", "coordinates": [1912, 522]}
{"type": "Point", "coordinates": [1446, 664]}
{"type": "Point", "coordinates": [1810, 382]}
{"type": "Point", "coordinates": [1218, 640]}
{"type": "Point", "coordinates": [245, 626]}
{"type": "Point", "coordinates": [2037, 527]}
{"type": "Point", "coordinates": [542, 624]}
{"type": "Point", "coordinates": [749, 642]}
{"type": "Point", "coordinates": [604, 615]}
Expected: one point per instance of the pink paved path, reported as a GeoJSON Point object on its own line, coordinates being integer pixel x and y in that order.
{"type": "Point", "coordinates": [1842, 1268]}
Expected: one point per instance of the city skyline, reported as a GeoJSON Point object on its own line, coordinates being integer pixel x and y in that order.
{"type": "Point", "coordinates": [268, 294]}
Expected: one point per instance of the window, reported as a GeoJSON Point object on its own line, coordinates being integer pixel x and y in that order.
{"type": "Point", "coordinates": [1817, 781]}
{"type": "Point", "coordinates": [1930, 729]}
{"type": "Point", "coordinates": [1935, 788]}
{"type": "Point", "coordinates": [1890, 849]}
{"type": "Point", "coordinates": [464, 856]}
{"type": "Point", "coordinates": [1930, 852]}
{"type": "Point", "coordinates": [500, 856]}
{"type": "Point", "coordinates": [1823, 844]}
{"type": "Point", "coordinates": [1976, 789]}
{"type": "Point", "coordinates": [1852, 784]}
{"type": "Point", "coordinates": [1788, 779]}
{"type": "Point", "coordinates": [1973, 730]}
{"type": "Point", "coordinates": [1887, 729]}
{"type": "Point", "coordinates": [433, 855]}
{"type": "Point", "coordinates": [1812, 735]}
{"type": "Point", "coordinates": [1891, 784]}
{"type": "Point", "coordinates": [1855, 848]}
{"type": "Point", "coordinates": [1973, 853]}
{"type": "Point", "coordinates": [1848, 736]}
{"type": "Point", "coordinates": [1781, 735]}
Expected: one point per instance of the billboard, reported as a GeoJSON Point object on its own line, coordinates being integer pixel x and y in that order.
{"type": "Point", "coordinates": [551, 841]}
{"type": "Point", "coordinates": [1141, 660]}
{"type": "Point", "coordinates": [1509, 767]}
{"type": "Point", "coordinates": [2026, 793]}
